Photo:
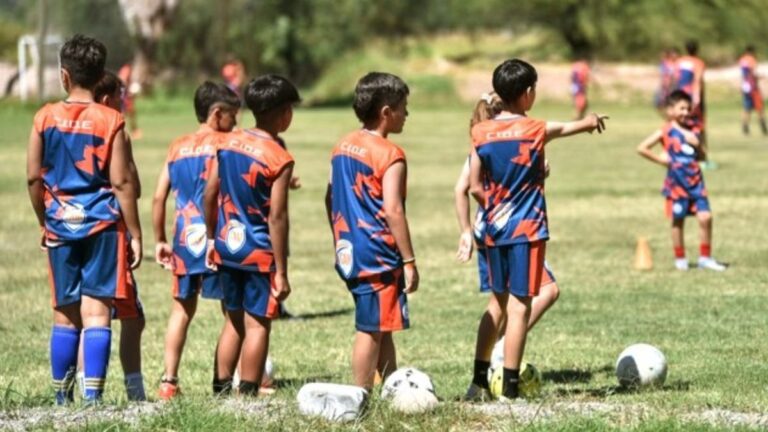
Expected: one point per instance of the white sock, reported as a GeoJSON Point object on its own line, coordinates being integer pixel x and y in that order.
{"type": "Point", "coordinates": [134, 387]}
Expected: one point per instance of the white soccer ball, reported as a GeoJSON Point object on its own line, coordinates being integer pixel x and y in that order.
{"type": "Point", "coordinates": [641, 365]}
{"type": "Point", "coordinates": [405, 379]}
{"type": "Point", "coordinates": [267, 377]}
{"type": "Point", "coordinates": [414, 400]}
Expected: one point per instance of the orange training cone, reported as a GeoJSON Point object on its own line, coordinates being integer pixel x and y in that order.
{"type": "Point", "coordinates": [643, 260]}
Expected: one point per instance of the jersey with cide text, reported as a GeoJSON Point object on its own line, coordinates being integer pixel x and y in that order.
{"type": "Point", "coordinates": [249, 161]}
{"type": "Point", "coordinates": [364, 243]}
{"type": "Point", "coordinates": [684, 178]}
{"type": "Point", "coordinates": [77, 145]}
{"type": "Point", "coordinates": [511, 151]}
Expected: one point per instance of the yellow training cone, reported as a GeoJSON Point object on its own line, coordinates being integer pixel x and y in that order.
{"type": "Point", "coordinates": [643, 260]}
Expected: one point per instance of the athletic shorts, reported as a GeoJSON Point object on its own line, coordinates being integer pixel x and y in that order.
{"type": "Point", "coordinates": [752, 101]}
{"type": "Point", "coordinates": [682, 207]}
{"type": "Point", "coordinates": [380, 302]}
{"type": "Point", "coordinates": [129, 307]}
{"type": "Point", "coordinates": [485, 283]}
{"type": "Point", "coordinates": [516, 269]}
{"type": "Point", "coordinates": [208, 285]}
{"type": "Point", "coordinates": [248, 290]}
{"type": "Point", "coordinates": [95, 266]}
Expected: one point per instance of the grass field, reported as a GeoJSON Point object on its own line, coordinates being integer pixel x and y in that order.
{"type": "Point", "coordinates": [601, 196]}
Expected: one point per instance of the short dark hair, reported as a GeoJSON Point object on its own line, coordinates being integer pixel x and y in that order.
{"type": "Point", "coordinates": [269, 92]}
{"type": "Point", "coordinates": [692, 47]}
{"type": "Point", "coordinates": [376, 90]}
{"type": "Point", "coordinates": [108, 85]}
{"type": "Point", "coordinates": [677, 96]}
{"type": "Point", "coordinates": [209, 94]}
{"type": "Point", "coordinates": [513, 78]}
{"type": "Point", "coordinates": [84, 58]}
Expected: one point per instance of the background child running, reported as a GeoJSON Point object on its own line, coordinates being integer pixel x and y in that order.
{"type": "Point", "coordinates": [246, 213]}
{"type": "Point", "coordinates": [185, 172]}
{"type": "Point", "coordinates": [684, 186]}
{"type": "Point", "coordinates": [81, 188]}
{"type": "Point", "coordinates": [750, 91]}
{"type": "Point", "coordinates": [507, 173]}
{"type": "Point", "coordinates": [493, 321]}
{"type": "Point", "coordinates": [365, 201]}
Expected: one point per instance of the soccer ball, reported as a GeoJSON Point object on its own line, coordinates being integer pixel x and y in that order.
{"type": "Point", "coordinates": [530, 381]}
{"type": "Point", "coordinates": [497, 357]}
{"type": "Point", "coordinates": [414, 400]}
{"type": "Point", "coordinates": [267, 377]}
{"type": "Point", "coordinates": [641, 365]}
{"type": "Point", "coordinates": [406, 378]}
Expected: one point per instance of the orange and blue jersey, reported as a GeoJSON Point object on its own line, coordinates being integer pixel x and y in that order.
{"type": "Point", "coordinates": [579, 77]}
{"type": "Point", "coordinates": [77, 144]}
{"type": "Point", "coordinates": [752, 97]}
{"type": "Point", "coordinates": [511, 151]}
{"type": "Point", "coordinates": [688, 68]}
{"type": "Point", "coordinates": [684, 178]}
{"type": "Point", "coordinates": [364, 243]}
{"type": "Point", "coordinates": [250, 160]}
{"type": "Point", "coordinates": [189, 161]}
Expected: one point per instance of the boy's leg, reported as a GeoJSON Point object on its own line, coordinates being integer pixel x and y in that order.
{"type": "Point", "coordinates": [541, 303]}
{"type": "Point", "coordinates": [678, 241]}
{"type": "Point", "coordinates": [64, 348]}
{"type": "Point", "coordinates": [182, 313]}
{"type": "Point", "coordinates": [253, 355]}
{"type": "Point", "coordinates": [130, 357]}
{"type": "Point", "coordinates": [97, 341]}
{"type": "Point", "coordinates": [387, 356]}
{"type": "Point", "coordinates": [705, 234]}
{"type": "Point", "coordinates": [228, 350]}
{"type": "Point", "coordinates": [518, 312]}
{"type": "Point", "coordinates": [365, 358]}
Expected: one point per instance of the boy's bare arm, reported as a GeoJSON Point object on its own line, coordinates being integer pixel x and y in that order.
{"type": "Point", "coordinates": [132, 164]}
{"type": "Point", "coordinates": [394, 211]}
{"type": "Point", "coordinates": [163, 252]}
{"type": "Point", "coordinates": [461, 202]}
{"type": "Point", "coordinates": [475, 178]}
{"type": "Point", "coordinates": [35, 176]}
{"type": "Point", "coordinates": [589, 124]}
{"type": "Point", "coordinates": [278, 231]}
{"type": "Point", "coordinates": [210, 211]}
{"type": "Point", "coordinates": [644, 148]}
{"type": "Point", "coordinates": [124, 189]}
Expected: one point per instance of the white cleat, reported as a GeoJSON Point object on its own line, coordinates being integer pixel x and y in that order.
{"type": "Point", "coordinates": [710, 264]}
{"type": "Point", "coordinates": [475, 393]}
{"type": "Point", "coordinates": [681, 264]}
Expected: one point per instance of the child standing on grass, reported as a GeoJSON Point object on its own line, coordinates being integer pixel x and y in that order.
{"type": "Point", "coordinates": [506, 176]}
{"type": "Point", "coordinates": [81, 188]}
{"type": "Point", "coordinates": [186, 171]}
{"type": "Point", "coordinates": [246, 213]}
{"type": "Point", "coordinates": [493, 322]}
{"type": "Point", "coordinates": [365, 202]}
{"type": "Point", "coordinates": [684, 185]}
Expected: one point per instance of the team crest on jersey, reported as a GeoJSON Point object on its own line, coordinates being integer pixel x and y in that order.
{"type": "Point", "coordinates": [344, 256]}
{"type": "Point", "coordinates": [73, 216]}
{"type": "Point", "coordinates": [501, 216]}
{"type": "Point", "coordinates": [479, 226]}
{"type": "Point", "coordinates": [194, 238]}
{"type": "Point", "coordinates": [677, 208]}
{"type": "Point", "coordinates": [235, 238]}
{"type": "Point", "coordinates": [687, 149]}
{"type": "Point", "coordinates": [404, 311]}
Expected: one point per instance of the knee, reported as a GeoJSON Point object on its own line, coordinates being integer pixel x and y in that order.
{"type": "Point", "coordinates": [518, 306]}
{"type": "Point", "coordinates": [554, 292]}
{"type": "Point", "coordinates": [705, 218]}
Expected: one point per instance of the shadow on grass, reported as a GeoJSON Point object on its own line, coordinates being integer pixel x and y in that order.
{"type": "Point", "coordinates": [601, 392]}
{"type": "Point", "coordinates": [326, 314]}
{"type": "Point", "coordinates": [296, 383]}
{"type": "Point", "coordinates": [565, 376]}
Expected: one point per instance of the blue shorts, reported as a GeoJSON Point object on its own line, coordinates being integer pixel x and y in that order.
{"type": "Point", "coordinates": [95, 266]}
{"type": "Point", "coordinates": [682, 207]}
{"type": "Point", "coordinates": [380, 302]}
{"type": "Point", "coordinates": [752, 101]}
{"type": "Point", "coordinates": [516, 269]}
{"type": "Point", "coordinates": [208, 285]}
{"type": "Point", "coordinates": [485, 283]}
{"type": "Point", "coordinates": [248, 290]}
{"type": "Point", "coordinates": [129, 307]}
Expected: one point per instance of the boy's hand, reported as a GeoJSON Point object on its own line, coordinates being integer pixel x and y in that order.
{"type": "Point", "coordinates": [411, 278]}
{"type": "Point", "coordinates": [295, 183]}
{"type": "Point", "coordinates": [466, 244]}
{"type": "Point", "coordinates": [546, 168]}
{"type": "Point", "coordinates": [209, 256]}
{"type": "Point", "coordinates": [43, 240]}
{"type": "Point", "coordinates": [598, 122]}
{"type": "Point", "coordinates": [164, 255]}
{"type": "Point", "coordinates": [136, 253]}
{"type": "Point", "coordinates": [281, 288]}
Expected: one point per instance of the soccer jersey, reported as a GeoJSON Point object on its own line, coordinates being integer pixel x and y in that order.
{"type": "Point", "coordinates": [189, 161]}
{"type": "Point", "coordinates": [77, 143]}
{"type": "Point", "coordinates": [364, 243]}
{"type": "Point", "coordinates": [684, 178]}
{"type": "Point", "coordinates": [748, 64]}
{"type": "Point", "coordinates": [511, 150]}
{"type": "Point", "coordinates": [249, 162]}
{"type": "Point", "coordinates": [579, 78]}
{"type": "Point", "coordinates": [687, 69]}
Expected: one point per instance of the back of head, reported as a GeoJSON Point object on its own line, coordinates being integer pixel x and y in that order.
{"type": "Point", "coordinates": [750, 49]}
{"type": "Point", "coordinates": [376, 90]}
{"type": "Point", "coordinates": [513, 78]}
{"type": "Point", "coordinates": [109, 85]}
{"type": "Point", "coordinates": [677, 96]}
{"type": "Point", "coordinates": [84, 59]}
{"type": "Point", "coordinates": [211, 94]}
{"type": "Point", "coordinates": [268, 93]}
{"type": "Point", "coordinates": [488, 107]}
{"type": "Point", "coordinates": [692, 47]}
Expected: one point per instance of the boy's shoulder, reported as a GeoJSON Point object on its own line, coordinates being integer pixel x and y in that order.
{"type": "Point", "coordinates": [90, 117]}
{"type": "Point", "coordinates": [368, 147]}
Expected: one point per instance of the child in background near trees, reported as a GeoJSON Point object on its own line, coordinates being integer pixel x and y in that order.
{"type": "Point", "coordinates": [579, 82]}
{"type": "Point", "coordinates": [493, 321]}
{"type": "Point", "coordinates": [684, 185]}
{"type": "Point", "coordinates": [506, 176]}
{"type": "Point", "coordinates": [81, 188]}
{"type": "Point", "coordinates": [246, 213]}
{"type": "Point", "coordinates": [185, 172]}
{"type": "Point", "coordinates": [751, 96]}
{"type": "Point", "coordinates": [365, 202]}
{"type": "Point", "coordinates": [132, 90]}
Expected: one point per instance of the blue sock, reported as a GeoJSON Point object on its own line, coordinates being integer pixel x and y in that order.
{"type": "Point", "coordinates": [96, 347]}
{"type": "Point", "coordinates": [64, 343]}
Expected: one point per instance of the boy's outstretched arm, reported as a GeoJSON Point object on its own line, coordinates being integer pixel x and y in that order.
{"type": "Point", "coordinates": [278, 231]}
{"type": "Point", "coordinates": [589, 124]}
{"type": "Point", "coordinates": [35, 179]}
{"type": "Point", "coordinates": [124, 188]}
{"type": "Point", "coordinates": [163, 251]}
{"type": "Point", "coordinates": [461, 201]}
{"type": "Point", "coordinates": [210, 210]}
{"type": "Point", "coordinates": [394, 211]}
{"type": "Point", "coordinates": [475, 178]}
{"type": "Point", "coordinates": [644, 149]}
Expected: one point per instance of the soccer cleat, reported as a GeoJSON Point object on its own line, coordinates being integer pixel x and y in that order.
{"type": "Point", "coordinates": [681, 264]}
{"type": "Point", "coordinates": [709, 263]}
{"type": "Point", "coordinates": [475, 393]}
{"type": "Point", "coordinates": [169, 389]}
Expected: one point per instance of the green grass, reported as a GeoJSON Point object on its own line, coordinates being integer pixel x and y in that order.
{"type": "Point", "coordinates": [712, 327]}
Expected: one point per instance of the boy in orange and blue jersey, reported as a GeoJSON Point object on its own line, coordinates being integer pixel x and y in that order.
{"type": "Point", "coordinates": [185, 173]}
{"type": "Point", "coordinates": [750, 90]}
{"type": "Point", "coordinates": [507, 171]}
{"type": "Point", "coordinates": [365, 202]}
{"type": "Point", "coordinates": [579, 82]}
{"type": "Point", "coordinates": [81, 188]}
{"type": "Point", "coordinates": [690, 79]}
{"type": "Point", "coordinates": [246, 213]}
{"type": "Point", "coordinates": [684, 186]}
